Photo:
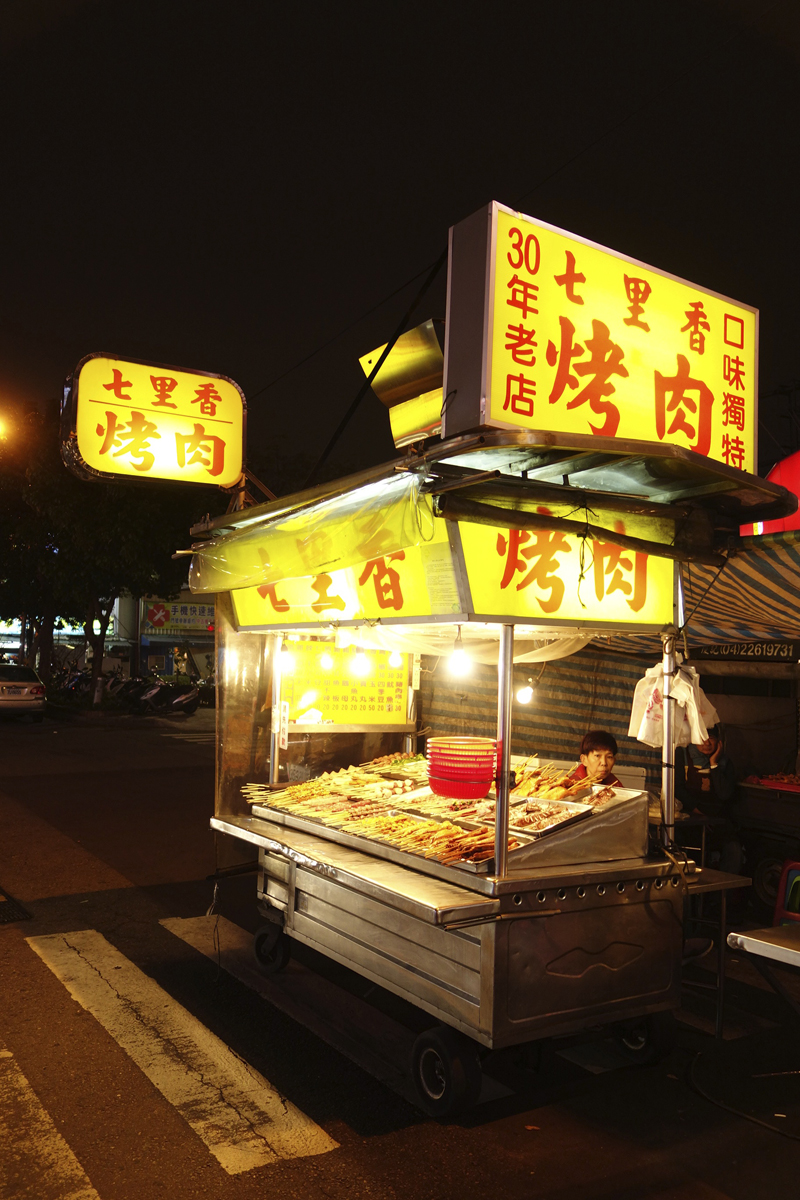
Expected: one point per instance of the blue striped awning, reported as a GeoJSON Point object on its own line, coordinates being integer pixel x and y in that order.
{"type": "Point", "coordinates": [755, 596]}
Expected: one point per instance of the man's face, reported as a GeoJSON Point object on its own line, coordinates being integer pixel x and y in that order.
{"type": "Point", "coordinates": [598, 762]}
{"type": "Point", "coordinates": [708, 746]}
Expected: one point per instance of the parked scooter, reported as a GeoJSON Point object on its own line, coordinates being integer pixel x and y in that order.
{"type": "Point", "coordinates": [163, 698]}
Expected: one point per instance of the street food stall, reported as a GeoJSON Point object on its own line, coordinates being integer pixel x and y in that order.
{"type": "Point", "coordinates": [481, 886]}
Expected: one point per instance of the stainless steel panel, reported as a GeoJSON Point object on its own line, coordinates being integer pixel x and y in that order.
{"type": "Point", "coordinates": [350, 922]}
{"type": "Point", "coordinates": [398, 978]}
{"type": "Point", "coordinates": [615, 833]}
{"type": "Point", "coordinates": [462, 948]}
{"type": "Point", "coordinates": [277, 893]}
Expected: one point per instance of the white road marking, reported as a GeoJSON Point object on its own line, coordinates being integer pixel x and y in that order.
{"type": "Point", "coordinates": [201, 739]}
{"type": "Point", "coordinates": [36, 1162]}
{"type": "Point", "coordinates": [239, 1115]}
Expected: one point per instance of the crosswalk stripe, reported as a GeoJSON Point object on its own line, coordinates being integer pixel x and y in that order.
{"type": "Point", "coordinates": [240, 1116]}
{"type": "Point", "coordinates": [203, 739]}
{"type": "Point", "coordinates": [37, 1164]}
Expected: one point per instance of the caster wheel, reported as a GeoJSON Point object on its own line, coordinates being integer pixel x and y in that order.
{"type": "Point", "coordinates": [272, 949]}
{"type": "Point", "coordinates": [646, 1040]}
{"type": "Point", "coordinates": [446, 1071]}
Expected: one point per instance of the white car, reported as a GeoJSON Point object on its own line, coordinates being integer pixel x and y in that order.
{"type": "Point", "coordinates": [21, 691]}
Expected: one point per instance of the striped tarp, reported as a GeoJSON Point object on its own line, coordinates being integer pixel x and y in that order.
{"type": "Point", "coordinates": [589, 690]}
{"type": "Point", "coordinates": [755, 597]}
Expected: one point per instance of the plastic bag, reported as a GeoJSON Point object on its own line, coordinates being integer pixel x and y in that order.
{"type": "Point", "coordinates": [694, 713]}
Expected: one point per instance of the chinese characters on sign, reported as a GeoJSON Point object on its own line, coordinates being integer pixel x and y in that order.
{"type": "Point", "coordinates": [177, 617]}
{"type": "Point", "coordinates": [324, 686]}
{"type": "Point", "coordinates": [536, 575]}
{"type": "Point", "coordinates": [144, 421]}
{"type": "Point", "coordinates": [583, 340]}
{"type": "Point", "coordinates": [547, 574]}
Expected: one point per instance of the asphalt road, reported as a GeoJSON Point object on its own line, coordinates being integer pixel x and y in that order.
{"type": "Point", "coordinates": [142, 1056]}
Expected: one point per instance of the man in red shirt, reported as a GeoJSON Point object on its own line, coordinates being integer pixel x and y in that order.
{"type": "Point", "coordinates": [598, 753]}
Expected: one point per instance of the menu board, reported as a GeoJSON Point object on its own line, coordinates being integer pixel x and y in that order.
{"type": "Point", "coordinates": [326, 686]}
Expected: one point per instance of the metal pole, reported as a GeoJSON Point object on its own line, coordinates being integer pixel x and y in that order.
{"type": "Point", "coordinates": [505, 691]}
{"type": "Point", "coordinates": [275, 729]}
{"type": "Point", "coordinates": [668, 747]}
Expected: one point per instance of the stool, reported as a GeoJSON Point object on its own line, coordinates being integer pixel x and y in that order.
{"type": "Point", "coordinates": [787, 906]}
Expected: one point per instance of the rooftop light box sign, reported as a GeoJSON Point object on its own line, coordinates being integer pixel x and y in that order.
{"type": "Point", "coordinates": [549, 332]}
{"type": "Point", "coordinates": [149, 421]}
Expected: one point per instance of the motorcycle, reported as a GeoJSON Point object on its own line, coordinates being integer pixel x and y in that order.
{"type": "Point", "coordinates": [163, 698]}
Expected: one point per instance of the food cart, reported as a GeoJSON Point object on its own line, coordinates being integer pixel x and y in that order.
{"type": "Point", "coordinates": [538, 935]}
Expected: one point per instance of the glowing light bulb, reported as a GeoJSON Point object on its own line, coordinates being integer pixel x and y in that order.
{"type": "Point", "coordinates": [525, 695]}
{"type": "Point", "coordinates": [326, 661]}
{"type": "Point", "coordinates": [395, 659]}
{"type": "Point", "coordinates": [460, 662]}
{"type": "Point", "coordinates": [360, 664]}
{"type": "Point", "coordinates": [306, 700]}
{"type": "Point", "coordinates": [287, 662]}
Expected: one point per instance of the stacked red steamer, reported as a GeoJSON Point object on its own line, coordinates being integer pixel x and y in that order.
{"type": "Point", "coordinates": [461, 768]}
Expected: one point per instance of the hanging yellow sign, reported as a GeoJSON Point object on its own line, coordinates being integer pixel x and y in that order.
{"type": "Point", "coordinates": [531, 576]}
{"type": "Point", "coordinates": [418, 581]}
{"type": "Point", "coordinates": [324, 685]}
{"type": "Point", "coordinates": [148, 421]}
{"type": "Point", "coordinates": [581, 339]}
{"type": "Point", "coordinates": [548, 576]}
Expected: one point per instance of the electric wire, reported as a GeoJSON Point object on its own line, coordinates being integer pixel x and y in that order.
{"type": "Point", "coordinates": [435, 267]}
{"type": "Point", "coordinates": [737, 1112]}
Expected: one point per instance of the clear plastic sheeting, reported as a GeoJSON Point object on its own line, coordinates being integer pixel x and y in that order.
{"type": "Point", "coordinates": [339, 531]}
{"type": "Point", "coordinates": [480, 641]}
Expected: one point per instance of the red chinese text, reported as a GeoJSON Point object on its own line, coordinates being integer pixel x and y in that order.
{"type": "Point", "coordinates": [520, 394]}
{"type": "Point", "coordinates": [524, 295]}
{"type": "Point", "coordinates": [162, 386]}
{"type": "Point", "coordinates": [733, 451]}
{"type": "Point", "coordinates": [200, 447]}
{"type": "Point", "coordinates": [208, 398]}
{"type": "Point", "coordinates": [733, 371]}
{"type": "Point", "coordinates": [678, 386]}
{"type": "Point", "coordinates": [321, 585]}
{"type": "Point", "coordinates": [519, 341]}
{"type": "Point", "coordinates": [696, 322]}
{"type": "Point", "coordinates": [618, 572]}
{"type": "Point", "coordinates": [570, 278]}
{"type": "Point", "coordinates": [535, 556]}
{"type": "Point", "coordinates": [605, 360]}
{"type": "Point", "coordinates": [388, 591]}
{"type": "Point", "coordinates": [129, 437]}
{"type": "Point", "coordinates": [638, 292]}
{"type": "Point", "coordinates": [117, 384]}
{"type": "Point", "coordinates": [733, 410]}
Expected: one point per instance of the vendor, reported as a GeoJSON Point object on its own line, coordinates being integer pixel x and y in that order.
{"type": "Point", "coordinates": [705, 784]}
{"type": "Point", "coordinates": [598, 753]}
{"type": "Point", "coordinates": [705, 778]}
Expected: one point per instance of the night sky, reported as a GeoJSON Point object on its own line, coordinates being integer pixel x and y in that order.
{"type": "Point", "coordinates": [228, 185]}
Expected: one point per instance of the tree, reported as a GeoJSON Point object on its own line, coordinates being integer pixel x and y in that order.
{"type": "Point", "coordinates": [81, 544]}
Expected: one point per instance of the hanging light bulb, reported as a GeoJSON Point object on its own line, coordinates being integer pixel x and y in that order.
{"type": "Point", "coordinates": [287, 662]}
{"type": "Point", "coordinates": [460, 661]}
{"type": "Point", "coordinates": [306, 700]}
{"type": "Point", "coordinates": [326, 661]}
{"type": "Point", "coordinates": [360, 664]}
{"type": "Point", "coordinates": [395, 659]}
{"type": "Point", "coordinates": [525, 694]}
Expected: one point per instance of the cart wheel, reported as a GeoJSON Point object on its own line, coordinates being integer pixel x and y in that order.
{"type": "Point", "coordinates": [647, 1040]}
{"type": "Point", "coordinates": [272, 949]}
{"type": "Point", "coordinates": [446, 1071]}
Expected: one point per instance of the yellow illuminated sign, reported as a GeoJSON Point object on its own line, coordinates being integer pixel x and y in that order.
{"type": "Point", "coordinates": [549, 576]}
{"type": "Point", "coordinates": [531, 576]}
{"type": "Point", "coordinates": [147, 421]}
{"type": "Point", "coordinates": [580, 339]}
{"type": "Point", "coordinates": [418, 581]}
{"type": "Point", "coordinates": [326, 685]}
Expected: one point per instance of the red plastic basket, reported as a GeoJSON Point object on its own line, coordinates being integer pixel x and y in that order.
{"type": "Point", "coordinates": [459, 789]}
{"type": "Point", "coordinates": [461, 745]}
{"type": "Point", "coordinates": [476, 771]}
